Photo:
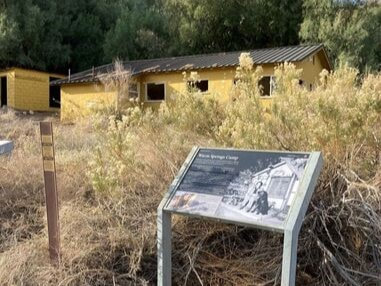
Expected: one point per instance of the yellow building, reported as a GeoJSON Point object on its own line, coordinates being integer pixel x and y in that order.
{"type": "Point", "coordinates": [23, 89]}
{"type": "Point", "coordinates": [157, 79]}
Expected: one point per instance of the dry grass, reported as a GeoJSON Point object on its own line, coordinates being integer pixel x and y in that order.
{"type": "Point", "coordinates": [113, 171]}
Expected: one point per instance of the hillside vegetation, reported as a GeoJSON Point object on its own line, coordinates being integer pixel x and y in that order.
{"type": "Point", "coordinates": [114, 169]}
{"type": "Point", "coordinates": [55, 35]}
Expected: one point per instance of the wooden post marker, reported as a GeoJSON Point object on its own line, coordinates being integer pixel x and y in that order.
{"type": "Point", "coordinates": [51, 195]}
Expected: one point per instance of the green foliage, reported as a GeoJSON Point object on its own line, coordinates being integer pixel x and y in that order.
{"type": "Point", "coordinates": [53, 35]}
{"type": "Point", "coordinates": [139, 32]}
{"type": "Point", "coordinates": [78, 34]}
{"type": "Point", "coordinates": [29, 35]}
{"type": "Point", "coordinates": [200, 26]}
{"type": "Point", "coordinates": [349, 29]}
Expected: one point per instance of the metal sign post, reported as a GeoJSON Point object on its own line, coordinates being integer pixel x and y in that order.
{"type": "Point", "coordinates": [266, 190]}
{"type": "Point", "coordinates": [51, 195]}
{"type": "Point", "coordinates": [296, 216]}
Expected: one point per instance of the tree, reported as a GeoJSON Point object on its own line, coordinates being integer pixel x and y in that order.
{"type": "Point", "coordinates": [139, 32]}
{"type": "Point", "coordinates": [350, 30]}
{"type": "Point", "coordinates": [201, 26]}
{"type": "Point", "coordinates": [28, 36]}
{"type": "Point", "coordinates": [54, 35]}
{"type": "Point", "coordinates": [84, 26]}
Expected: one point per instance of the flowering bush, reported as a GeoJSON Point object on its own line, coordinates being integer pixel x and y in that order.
{"type": "Point", "coordinates": [192, 110]}
{"type": "Point", "coordinates": [114, 157]}
{"type": "Point", "coordinates": [243, 121]}
{"type": "Point", "coordinates": [341, 117]}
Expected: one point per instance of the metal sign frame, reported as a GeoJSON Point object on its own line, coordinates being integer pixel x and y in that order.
{"type": "Point", "coordinates": [6, 147]}
{"type": "Point", "coordinates": [290, 228]}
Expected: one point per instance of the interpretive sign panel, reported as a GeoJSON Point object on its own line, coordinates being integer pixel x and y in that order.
{"type": "Point", "coordinates": [261, 189]}
{"type": "Point", "coordinates": [247, 187]}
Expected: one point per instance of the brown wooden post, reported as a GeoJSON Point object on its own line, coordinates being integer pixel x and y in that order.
{"type": "Point", "coordinates": [51, 195]}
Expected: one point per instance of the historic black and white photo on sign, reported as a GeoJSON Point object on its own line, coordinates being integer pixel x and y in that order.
{"type": "Point", "coordinates": [243, 186]}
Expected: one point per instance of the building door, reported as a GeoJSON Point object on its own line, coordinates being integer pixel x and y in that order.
{"type": "Point", "coordinates": [54, 94]}
{"type": "Point", "coordinates": [3, 91]}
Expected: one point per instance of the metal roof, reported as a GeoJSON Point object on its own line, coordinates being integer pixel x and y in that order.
{"type": "Point", "coordinates": [196, 62]}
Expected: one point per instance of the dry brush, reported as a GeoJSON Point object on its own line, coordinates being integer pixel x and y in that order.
{"type": "Point", "coordinates": [114, 169]}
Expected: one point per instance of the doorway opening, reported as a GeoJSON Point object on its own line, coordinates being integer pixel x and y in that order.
{"type": "Point", "coordinates": [54, 94]}
{"type": "Point", "coordinates": [3, 91]}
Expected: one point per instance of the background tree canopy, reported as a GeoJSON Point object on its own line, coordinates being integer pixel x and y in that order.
{"type": "Point", "coordinates": [350, 30]}
{"type": "Point", "coordinates": [56, 35]}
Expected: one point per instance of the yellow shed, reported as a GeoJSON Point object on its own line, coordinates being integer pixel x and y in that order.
{"type": "Point", "coordinates": [157, 79]}
{"type": "Point", "coordinates": [24, 89]}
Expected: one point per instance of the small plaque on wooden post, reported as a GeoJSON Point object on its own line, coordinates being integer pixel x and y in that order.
{"type": "Point", "coordinates": [51, 195]}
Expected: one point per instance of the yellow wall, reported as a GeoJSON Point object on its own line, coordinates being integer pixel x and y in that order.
{"type": "Point", "coordinates": [312, 67]}
{"type": "Point", "coordinates": [28, 89]}
{"type": "Point", "coordinates": [79, 100]}
{"type": "Point", "coordinates": [221, 80]}
{"type": "Point", "coordinates": [220, 83]}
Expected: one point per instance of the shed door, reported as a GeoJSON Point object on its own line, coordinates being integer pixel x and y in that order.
{"type": "Point", "coordinates": [54, 94]}
{"type": "Point", "coordinates": [3, 91]}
